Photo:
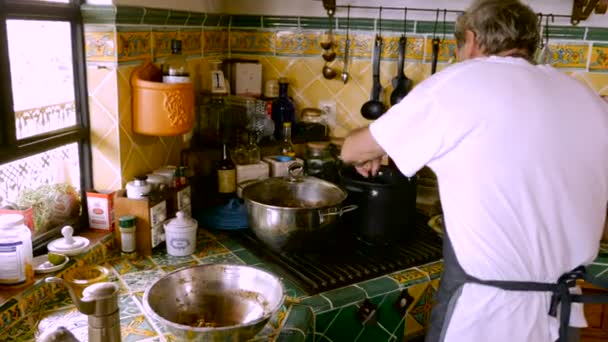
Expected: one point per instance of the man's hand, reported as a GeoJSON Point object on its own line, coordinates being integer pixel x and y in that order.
{"type": "Point", "coordinates": [369, 168]}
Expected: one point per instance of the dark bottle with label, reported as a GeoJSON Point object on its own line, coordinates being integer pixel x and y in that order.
{"type": "Point", "coordinates": [283, 109]}
{"type": "Point", "coordinates": [226, 174]}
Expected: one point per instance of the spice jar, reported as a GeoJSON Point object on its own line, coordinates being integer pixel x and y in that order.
{"type": "Point", "coordinates": [313, 126]}
{"type": "Point", "coordinates": [16, 255]}
{"type": "Point", "coordinates": [126, 225]}
{"type": "Point", "coordinates": [319, 161]}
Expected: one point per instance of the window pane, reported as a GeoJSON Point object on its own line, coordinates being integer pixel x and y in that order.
{"type": "Point", "coordinates": [40, 55]}
{"type": "Point", "coordinates": [47, 182]}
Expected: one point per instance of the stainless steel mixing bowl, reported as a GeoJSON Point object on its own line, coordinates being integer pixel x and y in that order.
{"type": "Point", "coordinates": [214, 302]}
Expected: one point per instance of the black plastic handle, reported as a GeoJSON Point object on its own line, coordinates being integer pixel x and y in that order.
{"type": "Point", "coordinates": [435, 44]}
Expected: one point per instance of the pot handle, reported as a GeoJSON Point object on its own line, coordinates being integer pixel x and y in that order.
{"type": "Point", "coordinates": [340, 211]}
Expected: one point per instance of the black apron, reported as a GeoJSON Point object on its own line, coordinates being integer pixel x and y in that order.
{"type": "Point", "coordinates": [454, 277]}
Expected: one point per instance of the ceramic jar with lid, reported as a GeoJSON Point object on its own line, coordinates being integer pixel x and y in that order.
{"type": "Point", "coordinates": [320, 162]}
{"type": "Point", "coordinates": [180, 234]}
{"type": "Point", "coordinates": [16, 255]}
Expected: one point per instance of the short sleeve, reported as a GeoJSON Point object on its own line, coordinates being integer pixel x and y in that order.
{"type": "Point", "coordinates": [412, 132]}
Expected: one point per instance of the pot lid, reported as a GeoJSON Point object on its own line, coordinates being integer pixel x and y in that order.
{"type": "Point", "coordinates": [295, 191]}
{"type": "Point", "coordinates": [181, 221]}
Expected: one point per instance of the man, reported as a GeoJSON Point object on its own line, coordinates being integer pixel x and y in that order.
{"type": "Point", "coordinates": [521, 156]}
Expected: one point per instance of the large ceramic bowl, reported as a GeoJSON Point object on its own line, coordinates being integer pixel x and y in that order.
{"type": "Point", "coordinates": [214, 302]}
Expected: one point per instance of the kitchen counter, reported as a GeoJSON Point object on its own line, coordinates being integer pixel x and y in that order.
{"type": "Point", "coordinates": [334, 315]}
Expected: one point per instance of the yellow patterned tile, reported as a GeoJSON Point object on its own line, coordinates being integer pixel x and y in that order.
{"type": "Point", "coordinates": [362, 45]}
{"type": "Point", "coordinates": [570, 55]}
{"type": "Point", "coordinates": [596, 81]}
{"type": "Point", "coordinates": [100, 46]}
{"type": "Point", "coordinates": [447, 50]}
{"type": "Point", "coordinates": [411, 276]}
{"type": "Point", "coordinates": [433, 270]}
{"type": "Point", "coordinates": [215, 41]}
{"type": "Point", "coordinates": [414, 49]}
{"type": "Point", "coordinates": [192, 43]}
{"type": "Point", "coordinates": [161, 41]}
{"type": "Point", "coordinates": [298, 43]}
{"type": "Point", "coordinates": [599, 57]}
{"type": "Point", "coordinates": [419, 314]}
{"type": "Point", "coordinates": [242, 41]}
{"type": "Point", "coordinates": [134, 46]}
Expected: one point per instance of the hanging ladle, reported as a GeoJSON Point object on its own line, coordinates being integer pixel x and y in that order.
{"type": "Point", "coordinates": [327, 71]}
{"type": "Point", "coordinates": [345, 75]}
{"type": "Point", "coordinates": [374, 108]}
{"type": "Point", "coordinates": [401, 83]}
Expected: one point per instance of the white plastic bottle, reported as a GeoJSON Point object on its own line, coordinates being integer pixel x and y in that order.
{"type": "Point", "coordinates": [16, 255]}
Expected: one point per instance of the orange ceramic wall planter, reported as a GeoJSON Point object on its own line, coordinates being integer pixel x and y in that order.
{"type": "Point", "coordinates": [161, 109]}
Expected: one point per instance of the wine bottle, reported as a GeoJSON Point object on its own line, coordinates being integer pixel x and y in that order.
{"type": "Point", "coordinates": [226, 174]}
{"type": "Point", "coordinates": [175, 69]}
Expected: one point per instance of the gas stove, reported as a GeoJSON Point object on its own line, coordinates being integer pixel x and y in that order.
{"type": "Point", "coordinates": [347, 260]}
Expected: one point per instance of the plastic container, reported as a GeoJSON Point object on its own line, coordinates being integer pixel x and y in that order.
{"type": "Point", "coordinates": [180, 234]}
{"type": "Point", "coordinates": [16, 255]}
{"type": "Point", "coordinates": [127, 234]}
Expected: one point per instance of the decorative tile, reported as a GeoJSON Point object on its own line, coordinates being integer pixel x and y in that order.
{"type": "Point", "coordinates": [378, 286]}
{"type": "Point", "coordinates": [289, 43]}
{"type": "Point", "coordinates": [196, 19]}
{"type": "Point", "coordinates": [599, 57]}
{"type": "Point", "coordinates": [100, 46]}
{"type": "Point", "coordinates": [447, 50]}
{"type": "Point", "coordinates": [215, 41]}
{"type": "Point", "coordinates": [372, 333]}
{"type": "Point", "coordinates": [231, 244]}
{"type": "Point", "coordinates": [171, 268]}
{"type": "Point", "coordinates": [161, 42]}
{"type": "Point", "coordinates": [139, 281]}
{"type": "Point", "coordinates": [567, 32]}
{"type": "Point", "coordinates": [127, 306]}
{"type": "Point", "coordinates": [292, 22]}
{"type": "Point", "coordinates": [317, 303]}
{"type": "Point", "coordinates": [345, 326]}
{"type": "Point", "coordinates": [292, 290]}
{"type": "Point", "coordinates": [414, 49]}
{"type": "Point", "coordinates": [226, 258]}
{"type": "Point", "coordinates": [10, 312]}
{"type": "Point", "coordinates": [25, 330]}
{"type": "Point", "coordinates": [250, 21]}
{"type": "Point", "coordinates": [192, 43]}
{"type": "Point", "coordinates": [388, 315]}
{"type": "Point", "coordinates": [437, 28]}
{"type": "Point", "coordinates": [31, 299]}
{"type": "Point", "coordinates": [421, 310]}
{"type": "Point", "coordinates": [135, 329]}
{"type": "Point", "coordinates": [569, 56]}
{"type": "Point", "coordinates": [207, 248]}
{"type": "Point", "coordinates": [409, 277]}
{"type": "Point", "coordinates": [58, 300]}
{"type": "Point", "coordinates": [216, 20]}
{"type": "Point", "coordinates": [345, 295]}
{"type": "Point", "coordinates": [362, 45]}
{"type": "Point", "coordinates": [597, 33]}
{"type": "Point", "coordinates": [134, 46]}
{"type": "Point", "coordinates": [252, 41]}
{"type": "Point", "coordinates": [299, 317]}
{"type": "Point", "coordinates": [124, 266]}
{"type": "Point", "coordinates": [389, 25]}
{"type": "Point", "coordinates": [433, 269]}
{"type": "Point", "coordinates": [161, 258]}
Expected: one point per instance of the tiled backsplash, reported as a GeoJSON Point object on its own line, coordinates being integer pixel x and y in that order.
{"type": "Point", "coordinates": [119, 38]}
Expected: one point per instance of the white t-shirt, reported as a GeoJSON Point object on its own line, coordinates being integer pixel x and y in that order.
{"type": "Point", "coordinates": [521, 156]}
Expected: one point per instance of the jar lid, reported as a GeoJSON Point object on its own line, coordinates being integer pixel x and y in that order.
{"type": "Point", "coordinates": [126, 221]}
{"type": "Point", "coordinates": [181, 221]}
{"type": "Point", "coordinates": [10, 220]}
{"type": "Point", "coordinates": [318, 145]}
{"type": "Point", "coordinates": [314, 112]}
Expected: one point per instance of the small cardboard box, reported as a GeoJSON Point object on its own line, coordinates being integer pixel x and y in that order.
{"type": "Point", "coordinates": [149, 214]}
{"type": "Point", "coordinates": [28, 216]}
{"type": "Point", "coordinates": [100, 205]}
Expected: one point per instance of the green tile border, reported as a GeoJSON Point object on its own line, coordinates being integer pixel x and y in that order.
{"type": "Point", "coordinates": [129, 15]}
{"type": "Point", "coordinates": [345, 295]}
{"type": "Point", "coordinates": [92, 14]}
{"type": "Point", "coordinates": [379, 286]}
{"type": "Point", "coordinates": [597, 33]}
{"type": "Point", "coordinates": [317, 303]}
{"type": "Point", "coordinates": [178, 17]}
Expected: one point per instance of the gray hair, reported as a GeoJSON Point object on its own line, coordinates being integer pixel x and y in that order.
{"type": "Point", "coordinates": [499, 26]}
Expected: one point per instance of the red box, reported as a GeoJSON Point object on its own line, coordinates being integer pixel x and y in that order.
{"type": "Point", "coordinates": [28, 216]}
{"type": "Point", "coordinates": [100, 206]}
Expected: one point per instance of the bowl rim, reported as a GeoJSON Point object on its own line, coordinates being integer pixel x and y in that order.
{"type": "Point", "coordinates": [149, 311]}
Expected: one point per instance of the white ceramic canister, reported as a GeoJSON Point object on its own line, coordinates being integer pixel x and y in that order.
{"type": "Point", "coordinates": [138, 188]}
{"type": "Point", "coordinates": [180, 234]}
{"type": "Point", "coordinates": [16, 257]}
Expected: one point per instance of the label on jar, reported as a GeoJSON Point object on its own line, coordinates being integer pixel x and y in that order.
{"type": "Point", "coordinates": [176, 79]}
{"type": "Point", "coordinates": [12, 266]}
{"type": "Point", "coordinates": [158, 214]}
{"type": "Point", "coordinates": [226, 181]}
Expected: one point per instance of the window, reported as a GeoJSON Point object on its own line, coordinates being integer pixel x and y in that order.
{"type": "Point", "coordinates": [45, 161]}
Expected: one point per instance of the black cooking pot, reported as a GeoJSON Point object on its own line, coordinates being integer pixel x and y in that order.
{"type": "Point", "coordinates": [386, 204]}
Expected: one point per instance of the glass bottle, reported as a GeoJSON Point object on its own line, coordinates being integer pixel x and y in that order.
{"type": "Point", "coordinates": [253, 150]}
{"type": "Point", "coordinates": [175, 69]}
{"type": "Point", "coordinates": [287, 148]}
{"type": "Point", "coordinates": [226, 174]}
{"type": "Point", "coordinates": [283, 109]}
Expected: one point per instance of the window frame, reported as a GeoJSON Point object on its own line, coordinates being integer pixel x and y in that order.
{"type": "Point", "coordinates": [11, 148]}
